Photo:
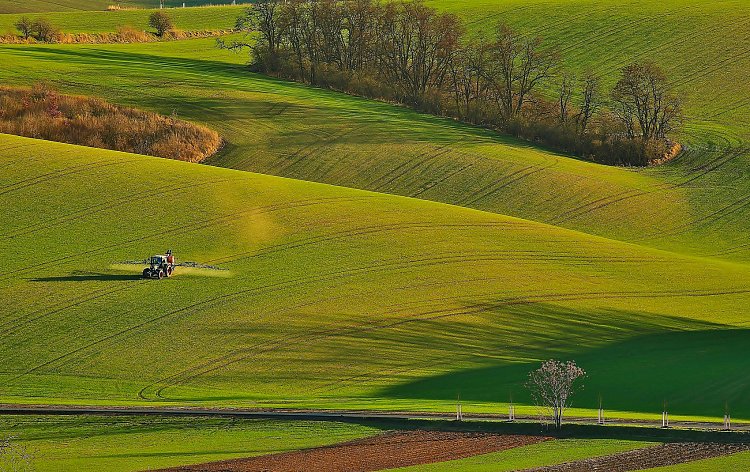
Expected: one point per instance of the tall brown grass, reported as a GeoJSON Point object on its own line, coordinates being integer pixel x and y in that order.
{"type": "Point", "coordinates": [45, 114]}
{"type": "Point", "coordinates": [123, 34]}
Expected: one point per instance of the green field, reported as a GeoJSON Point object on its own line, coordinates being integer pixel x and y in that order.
{"type": "Point", "coordinates": [696, 205]}
{"type": "Point", "coordinates": [39, 6]}
{"type": "Point", "coordinates": [85, 443]}
{"type": "Point", "coordinates": [187, 19]}
{"type": "Point", "coordinates": [334, 296]}
{"type": "Point", "coordinates": [506, 255]}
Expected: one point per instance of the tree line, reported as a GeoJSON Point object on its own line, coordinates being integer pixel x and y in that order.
{"type": "Point", "coordinates": [409, 53]}
{"type": "Point", "coordinates": [42, 30]}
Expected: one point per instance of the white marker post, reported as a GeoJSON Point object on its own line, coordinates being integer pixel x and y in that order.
{"type": "Point", "coordinates": [727, 418]}
{"type": "Point", "coordinates": [459, 413]}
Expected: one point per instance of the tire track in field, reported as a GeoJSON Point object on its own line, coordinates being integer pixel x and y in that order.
{"type": "Point", "coordinates": [410, 165]}
{"type": "Point", "coordinates": [361, 231]}
{"type": "Point", "coordinates": [106, 206]}
{"type": "Point", "coordinates": [705, 220]}
{"type": "Point", "coordinates": [703, 169]}
{"type": "Point", "coordinates": [307, 338]}
{"type": "Point", "coordinates": [508, 179]}
{"type": "Point", "coordinates": [13, 325]}
{"type": "Point", "coordinates": [446, 176]}
{"type": "Point", "coordinates": [616, 61]}
{"type": "Point", "coordinates": [648, 457]}
{"type": "Point", "coordinates": [188, 228]}
{"type": "Point", "coordinates": [107, 292]}
{"type": "Point", "coordinates": [575, 296]}
{"type": "Point", "coordinates": [73, 170]}
{"type": "Point", "coordinates": [307, 151]}
{"type": "Point", "coordinates": [598, 204]}
{"type": "Point", "coordinates": [194, 226]}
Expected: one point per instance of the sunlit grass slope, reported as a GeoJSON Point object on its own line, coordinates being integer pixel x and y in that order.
{"type": "Point", "coordinates": [84, 443]}
{"type": "Point", "coordinates": [189, 19]}
{"type": "Point", "coordinates": [39, 6]}
{"type": "Point", "coordinates": [704, 46]}
{"type": "Point", "coordinates": [333, 296]}
{"type": "Point", "coordinates": [698, 204]}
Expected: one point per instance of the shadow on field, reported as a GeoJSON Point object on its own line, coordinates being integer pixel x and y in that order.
{"type": "Point", "coordinates": [87, 277]}
{"type": "Point", "coordinates": [635, 361]}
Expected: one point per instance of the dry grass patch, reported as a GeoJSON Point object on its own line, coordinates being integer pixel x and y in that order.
{"type": "Point", "coordinates": [42, 113]}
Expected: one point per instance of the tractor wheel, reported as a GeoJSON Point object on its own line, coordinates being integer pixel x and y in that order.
{"type": "Point", "coordinates": [146, 273]}
{"type": "Point", "coordinates": [161, 274]}
{"type": "Point", "coordinates": [169, 272]}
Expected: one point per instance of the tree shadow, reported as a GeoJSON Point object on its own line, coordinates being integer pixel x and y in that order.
{"type": "Point", "coordinates": [634, 360]}
{"type": "Point", "coordinates": [87, 277]}
{"type": "Point", "coordinates": [695, 372]}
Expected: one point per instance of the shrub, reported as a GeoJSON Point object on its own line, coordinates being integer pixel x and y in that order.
{"type": "Point", "coordinates": [44, 114]}
{"type": "Point", "coordinates": [25, 27]}
{"type": "Point", "coordinates": [44, 31]}
{"type": "Point", "coordinates": [161, 22]}
{"type": "Point", "coordinates": [128, 34]}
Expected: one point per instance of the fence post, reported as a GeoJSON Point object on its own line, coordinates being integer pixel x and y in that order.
{"type": "Point", "coordinates": [727, 418]}
{"type": "Point", "coordinates": [459, 413]}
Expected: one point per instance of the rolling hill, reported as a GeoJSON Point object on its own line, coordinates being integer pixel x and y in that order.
{"type": "Point", "coordinates": [695, 205]}
{"type": "Point", "coordinates": [39, 6]}
{"type": "Point", "coordinates": [332, 296]}
{"type": "Point", "coordinates": [100, 21]}
{"type": "Point", "coordinates": [351, 294]}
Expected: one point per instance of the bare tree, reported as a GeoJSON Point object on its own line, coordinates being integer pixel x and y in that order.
{"type": "Point", "coordinates": [14, 457]}
{"type": "Point", "coordinates": [161, 22]}
{"type": "Point", "coordinates": [25, 27]}
{"type": "Point", "coordinates": [468, 86]}
{"type": "Point", "coordinates": [263, 18]}
{"type": "Point", "coordinates": [44, 31]}
{"type": "Point", "coordinates": [646, 104]}
{"type": "Point", "coordinates": [553, 384]}
{"type": "Point", "coordinates": [519, 65]}
{"type": "Point", "coordinates": [359, 31]}
{"type": "Point", "coordinates": [564, 95]}
{"type": "Point", "coordinates": [417, 44]}
{"type": "Point", "coordinates": [590, 101]}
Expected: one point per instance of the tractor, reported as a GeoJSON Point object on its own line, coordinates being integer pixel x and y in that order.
{"type": "Point", "coordinates": [159, 266]}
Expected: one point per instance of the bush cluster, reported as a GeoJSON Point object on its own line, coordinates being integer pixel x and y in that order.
{"type": "Point", "coordinates": [41, 30]}
{"type": "Point", "coordinates": [42, 113]}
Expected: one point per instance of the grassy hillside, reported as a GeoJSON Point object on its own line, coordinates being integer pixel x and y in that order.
{"type": "Point", "coordinates": [189, 19]}
{"type": "Point", "coordinates": [696, 205]}
{"type": "Point", "coordinates": [75, 444]}
{"type": "Point", "coordinates": [703, 45]}
{"type": "Point", "coordinates": [36, 6]}
{"type": "Point", "coordinates": [333, 296]}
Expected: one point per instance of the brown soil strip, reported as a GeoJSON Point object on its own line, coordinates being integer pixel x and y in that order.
{"type": "Point", "coordinates": [385, 451]}
{"type": "Point", "coordinates": [648, 457]}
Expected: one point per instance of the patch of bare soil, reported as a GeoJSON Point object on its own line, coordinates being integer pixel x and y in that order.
{"type": "Point", "coordinates": [385, 451]}
{"type": "Point", "coordinates": [648, 457]}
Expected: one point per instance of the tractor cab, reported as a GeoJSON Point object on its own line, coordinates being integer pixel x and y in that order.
{"type": "Point", "coordinates": [157, 261]}
{"type": "Point", "coordinates": [159, 266]}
